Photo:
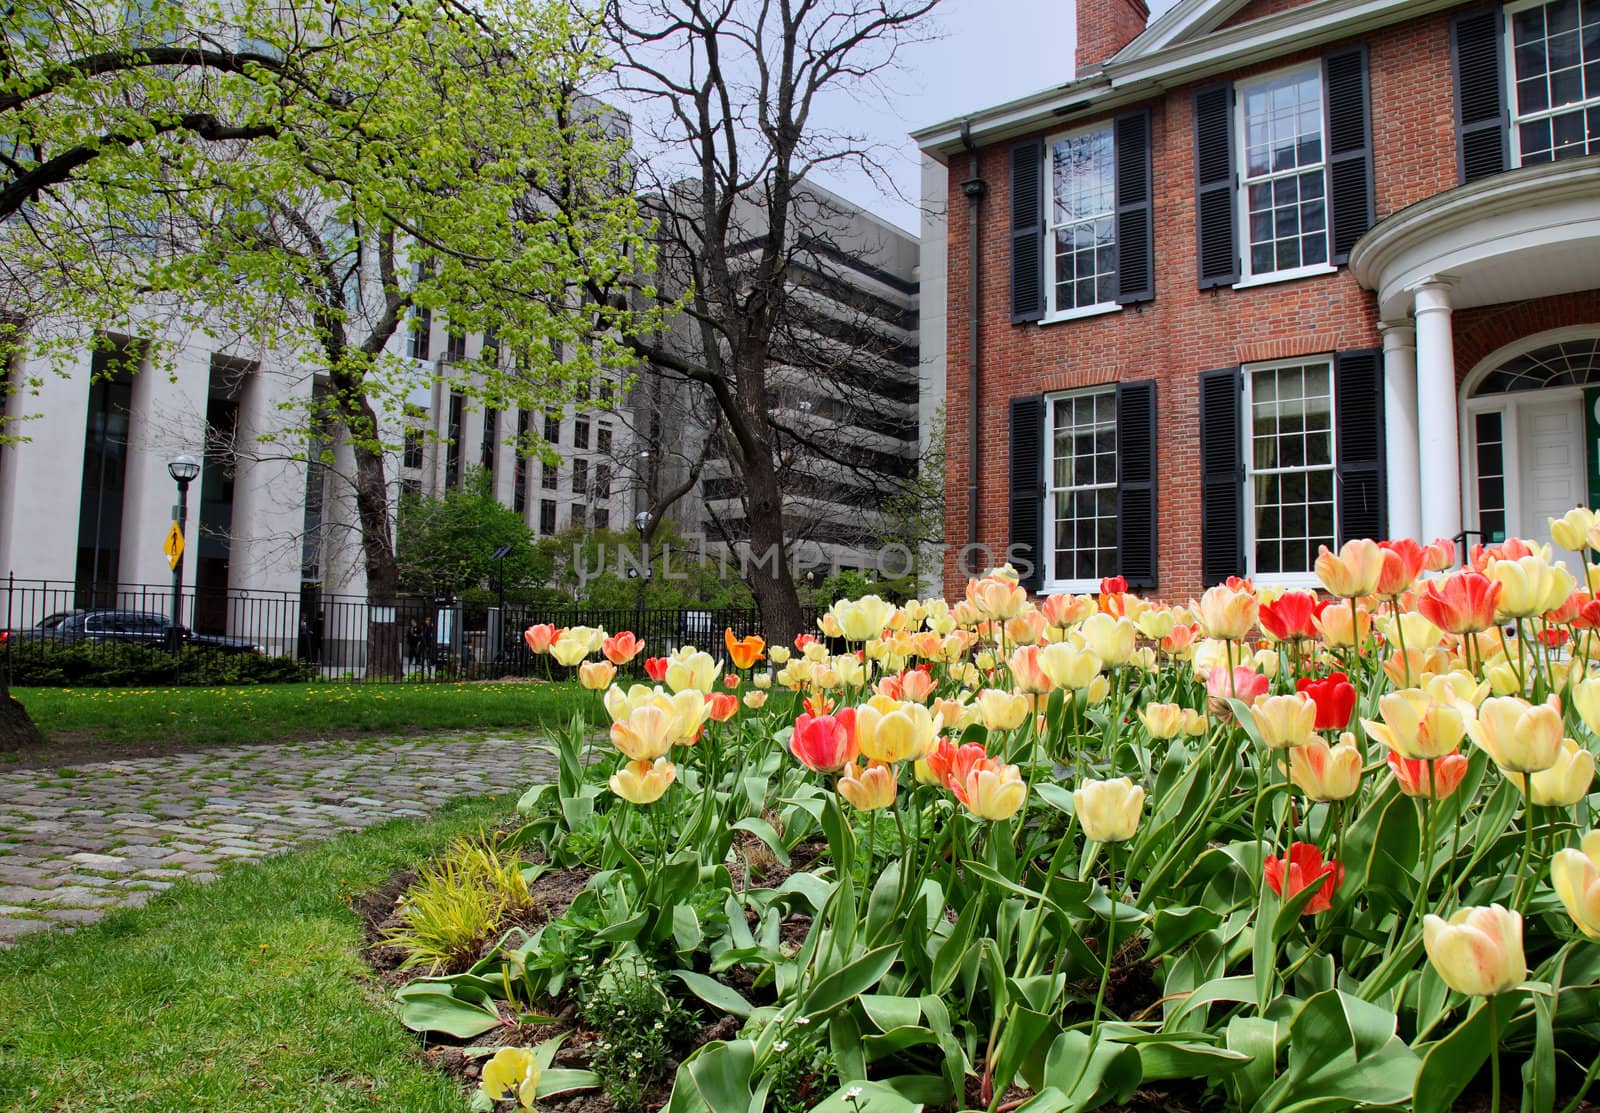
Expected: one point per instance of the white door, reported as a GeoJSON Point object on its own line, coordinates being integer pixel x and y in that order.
{"type": "Point", "coordinates": [1550, 458]}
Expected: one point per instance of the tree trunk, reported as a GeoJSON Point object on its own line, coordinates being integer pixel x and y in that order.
{"type": "Point", "coordinates": [768, 569]}
{"type": "Point", "coordinates": [377, 544]}
{"type": "Point", "coordinates": [16, 728]}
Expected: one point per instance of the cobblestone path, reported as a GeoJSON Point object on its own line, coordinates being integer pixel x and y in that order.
{"type": "Point", "coordinates": [77, 842]}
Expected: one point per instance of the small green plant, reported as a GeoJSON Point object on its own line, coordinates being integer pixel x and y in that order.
{"type": "Point", "coordinates": [461, 901]}
{"type": "Point", "coordinates": [640, 1028]}
{"type": "Point", "coordinates": [801, 1073]}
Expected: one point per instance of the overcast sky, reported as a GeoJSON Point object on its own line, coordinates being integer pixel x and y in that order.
{"type": "Point", "coordinates": [988, 52]}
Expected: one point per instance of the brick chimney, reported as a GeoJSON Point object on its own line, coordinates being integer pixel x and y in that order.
{"type": "Point", "coordinates": [1105, 27]}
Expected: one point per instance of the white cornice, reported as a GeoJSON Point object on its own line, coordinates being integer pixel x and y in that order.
{"type": "Point", "coordinates": [1146, 67]}
{"type": "Point", "coordinates": [1528, 190]}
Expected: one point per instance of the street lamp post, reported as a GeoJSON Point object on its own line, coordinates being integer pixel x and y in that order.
{"type": "Point", "coordinates": [183, 470]}
{"type": "Point", "coordinates": [641, 522]}
{"type": "Point", "coordinates": [499, 557]}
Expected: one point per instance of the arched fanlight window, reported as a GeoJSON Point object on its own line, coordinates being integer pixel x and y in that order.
{"type": "Point", "coordinates": [1569, 363]}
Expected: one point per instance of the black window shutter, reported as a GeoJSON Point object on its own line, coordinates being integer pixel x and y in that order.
{"type": "Point", "coordinates": [1136, 483]}
{"type": "Point", "coordinates": [1026, 548]}
{"type": "Point", "coordinates": [1349, 116]}
{"type": "Point", "coordinates": [1027, 231]}
{"type": "Point", "coordinates": [1214, 178]}
{"type": "Point", "coordinates": [1136, 228]}
{"type": "Point", "coordinates": [1221, 477]}
{"type": "Point", "coordinates": [1481, 128]}
{"type": "Point", "coordinates": [1359, 445]}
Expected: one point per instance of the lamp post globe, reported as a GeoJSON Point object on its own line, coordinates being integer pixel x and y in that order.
{"type": "Point", "coordinates": [183, 469]}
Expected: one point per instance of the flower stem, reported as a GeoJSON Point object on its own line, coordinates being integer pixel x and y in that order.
{"type": "Point", "coordinates": [1494, 1053]}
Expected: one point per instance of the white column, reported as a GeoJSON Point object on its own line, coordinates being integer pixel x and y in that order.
{"type": "Point", "coordinates": [1438, 439]}
{"type": "Point", "coordinates": [1400, 429]}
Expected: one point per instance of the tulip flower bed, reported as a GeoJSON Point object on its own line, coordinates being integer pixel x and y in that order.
{"type": "Point", "coordinates": [1273, 851]}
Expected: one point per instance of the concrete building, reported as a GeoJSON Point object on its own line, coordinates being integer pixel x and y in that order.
{"type": "Point", "coordinates": [1270, 274]}
{"type": "Point", "coordinates": [845, 383]}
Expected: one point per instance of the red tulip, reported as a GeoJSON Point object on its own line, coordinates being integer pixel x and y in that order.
{"type": "Point", "coordinates": [1246, 683]}
{"type": "Point", "coordinates": [1464, 605]}
{"type": "Point", "coordinates": [1302, 868]}
{"type": "Point", "coordinates": [1588, 616]}
{"type": "Point", "coordinates": [1289, 616]}
{"type": "Point", "coordinates": [803, 640]}
{"type": "Point", "coordinates": [1402, 564]}
{"type": "Point", "coordinates": [1114, 585]}
{"type": "Point", "coordinates": [656, 668]}
{"type": "Point", "coordinates": [818, 704]}
{"type": "Point", "coordinates": [723, 706]}
{"type": "Point", "coordinates": [825, 743]}
{"type": "Point", "coordinates": [1334, 696]}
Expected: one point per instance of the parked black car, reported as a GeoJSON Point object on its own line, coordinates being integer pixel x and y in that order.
{"type": "Point", "coordinates": [133, 627]}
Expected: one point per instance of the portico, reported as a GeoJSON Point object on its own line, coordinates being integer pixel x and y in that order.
{"type": "Point", "coordinates": [1496, 448]}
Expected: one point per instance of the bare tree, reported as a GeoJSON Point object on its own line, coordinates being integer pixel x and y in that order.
{"type": "Point", "coordinates": [727, 90]}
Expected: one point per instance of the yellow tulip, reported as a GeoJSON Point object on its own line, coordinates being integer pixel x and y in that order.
{"type": "Point", "coordinates": [902, 732]}
{"type": "Point", "coordinates": [1285, 721]}
{"type": "Point", "coordinates": [620, 704]}
{"type": "Point", "coordinates": [1225, 612]}
{"type": "Point", "coordinates": [513, 1073]}
{"type": "Point", "coordinates": [1502, 678]}
{"type": "Point", "coordinates": [1351, 572]}
{"type": "Point", "coordinates": [1144, 659]}
{"type": "Point", "coordinates": [756, 699]}
{"type": "Point", "coordinates": [1417, 726]}
{"type": "Point", "coordinates": [1335, 625]}
{"type": "Point", "coordinates": [643, 782]}
{"type": "Point", "coordinates": [569, 650]}
{"type": "Point", "coordinates": [1478, 951]}
{"type": "Point", "coordinates": [1525, 583]}
{"type": "Point", "coordinates": [997, 595]}
{"type": "Point", "coordinates": [1109, 810]}
{"type": "Point", "coordinates": [1324, 772]}
{"type": "Point", "coordinates": [1457, 686]}
{"type": "Point", "coordinates": [1194, 723]}
{"type": "Point", "coordinates": [1001, 710]}
{"type": "Point", "coordinates": [1266, 662]}
{"type": "Point", "coordinates": [762, 680]}
{"type": "Point", "coordinates": [779, 655]}
{"type": "Point", "coordinates": [595, 675]}
{"type": "Point", "coordinates": [1520, 737]}
{"type": "Point", "coordinates": [692, 709]}
{"type": "Point", "coordinates": [1412, 627]}
{"type": "Point", "coordinates": [1562, 785]}
{"type": "Point", "coordinates": [1571, 530]}
{"type": "Point", "coordinates": [1586, 698]}
{"type": "Point", "coordinates": [868, 789]}
{"type": "Point", "coordinates": [1156, 623]}
{"type": "Point", "coordinates": [647, 733]}
{"type": "Point", "coordinates": [1162, 720]}
{"type": "Point", "coordinates": [1097, 691]}
{"type": "Point", "coordinates": [1575, 874]}
{"type": "Point", "coordinates": [992, 790]}
{"type": "Point", "coordinates": [1068, 666]}
{"type": "Point", "coordinates": [849, 669]}
{"type": "Point", "coordinates": [692, 668]}
{"type": "Point", "coordinates": [815, 652]}
{"type": "Point", "coordinates": [861, 619]}
{"type": "Point", "coordinates": [1112, 639]}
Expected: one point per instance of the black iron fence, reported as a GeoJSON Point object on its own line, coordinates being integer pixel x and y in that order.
{"type": "Point", "coordinates": [58, 632]}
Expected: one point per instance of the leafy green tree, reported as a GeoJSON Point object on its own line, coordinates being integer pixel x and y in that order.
{"type": "Point", "coordinates": [446, 546]}
{"type": "Point", "coordinates": [601, 570]}
{"type": "Point", "coordinates": [314, 180]}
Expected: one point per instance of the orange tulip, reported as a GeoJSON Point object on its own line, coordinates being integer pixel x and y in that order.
{"type": "Point", "coordinates": [1225, 612]}
{"type": "Point", "coordinates": [1402, 564]}
{"type": "Point", "coordinates": [541, 637]}
{"type": "Point", "coordinates": [723, 706]}
{"type": "Point", "coordinates": [1414, 779]}
{"type": "Point", "coordinates": [743, 652]}
{"type": "Point", "coordinates": [1465, 604]}
{"type": "Point", "coordinates": [621, 648]}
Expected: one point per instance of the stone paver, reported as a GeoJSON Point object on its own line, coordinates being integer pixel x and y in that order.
{"type": "Point", "coordinates": [112, 834]}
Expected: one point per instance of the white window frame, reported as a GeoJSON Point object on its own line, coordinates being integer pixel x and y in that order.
{"type": "Point", "coordinates": [1308, 578]}
{"type": "Point", "coordinates": [1050, 584]}
{"type": "Point", "coordinates": [1051, 313]}
{"type": "Point", "coordinates": [1241, 202]}
{"type": "Point", "coordinates": [1509, 68]}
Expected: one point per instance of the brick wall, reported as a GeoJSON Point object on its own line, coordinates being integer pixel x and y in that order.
{"type": "Point", "coordinates": [1259, 9]}
{"type": "Point", "coordinates": [1105, 27]}
{"type": "Point", "coordinates": [1185, 330]}
{"type": "Point", "coordinates": [1483, 329]}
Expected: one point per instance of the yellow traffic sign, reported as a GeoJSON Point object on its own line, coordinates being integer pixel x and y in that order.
{"type": "Point", "coordinates": [173, 546]}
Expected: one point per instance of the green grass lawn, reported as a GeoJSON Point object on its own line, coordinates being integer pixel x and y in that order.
{"type": "Point", "coordinates": [244, 994]}
{"type": "Point", "coordinates": [185, 716]}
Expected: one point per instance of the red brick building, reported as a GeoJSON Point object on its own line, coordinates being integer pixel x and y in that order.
{"type": "Point", "coordinates": [1268, 275]}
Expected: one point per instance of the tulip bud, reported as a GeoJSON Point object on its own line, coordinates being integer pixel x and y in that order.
{"type": "Point", "coordinates": [1109, 810]}
{"type": "Point", "coordinates": [1111, 639]}
{"type": "Point", "coordinates": [1586, 698]}
{"type": "Point", "coordinates": [1520, 737]}
{"type": "Point", "coordinates": [1416, 725]}
{"type": "Point", "coordinates": [1099, 688]}
{"type": "Point", "coordinates": [992, 790]}
{"type": "Point", "coordinates": [868, 789]}
{"type": "Point", "coordinates": [1324, 772]}
{"type": "Point", "coordinates": [1575, 875]}
{"type": "Point", "coordinates": [1002, 710]}
{"type": "Point", "coordinates": [595, 675]}
{"type": "Point", "coordinates": [756, 699]}
{"type": "Point", "coordinates": [1417, 779]}
{"type": "Point", "coordinates": [1284, 721]}
{"type": "Point", "coordinates": [643, 782]}
{"type": "Point", "coordinates": [512, 1075]}
{"type": "Point", "coordinates": [1351, 572]}
{"type": "Point", "coordinates": [1478, 951]}
{"type": "Point", "coordinates": [1571, 530]}
{"type": "Point", "coordinates": [1162, 720]}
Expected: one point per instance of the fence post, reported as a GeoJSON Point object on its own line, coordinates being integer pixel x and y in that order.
{"type": "Point", "coordinates": [11, 587]}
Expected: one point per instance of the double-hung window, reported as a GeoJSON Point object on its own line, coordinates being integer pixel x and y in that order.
{"type": "Point", "coordinates": [1083, 228]}
{"type": "Point", "coordinates": [1555, 66]}
{"type": "Point", "coordinates": [1289, 468]}
{"type": "Point", "coordinates": [1081, 489]}
{"type": "Point", "coordinates": [1283, 174]}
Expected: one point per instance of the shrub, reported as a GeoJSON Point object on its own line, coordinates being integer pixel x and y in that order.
{"type": "Point", "coordinates": [116, 666]}
{"type": "Point", "coordinates": [640, 1028]}
{"type": "Point", "coordinates": [461, 902]}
